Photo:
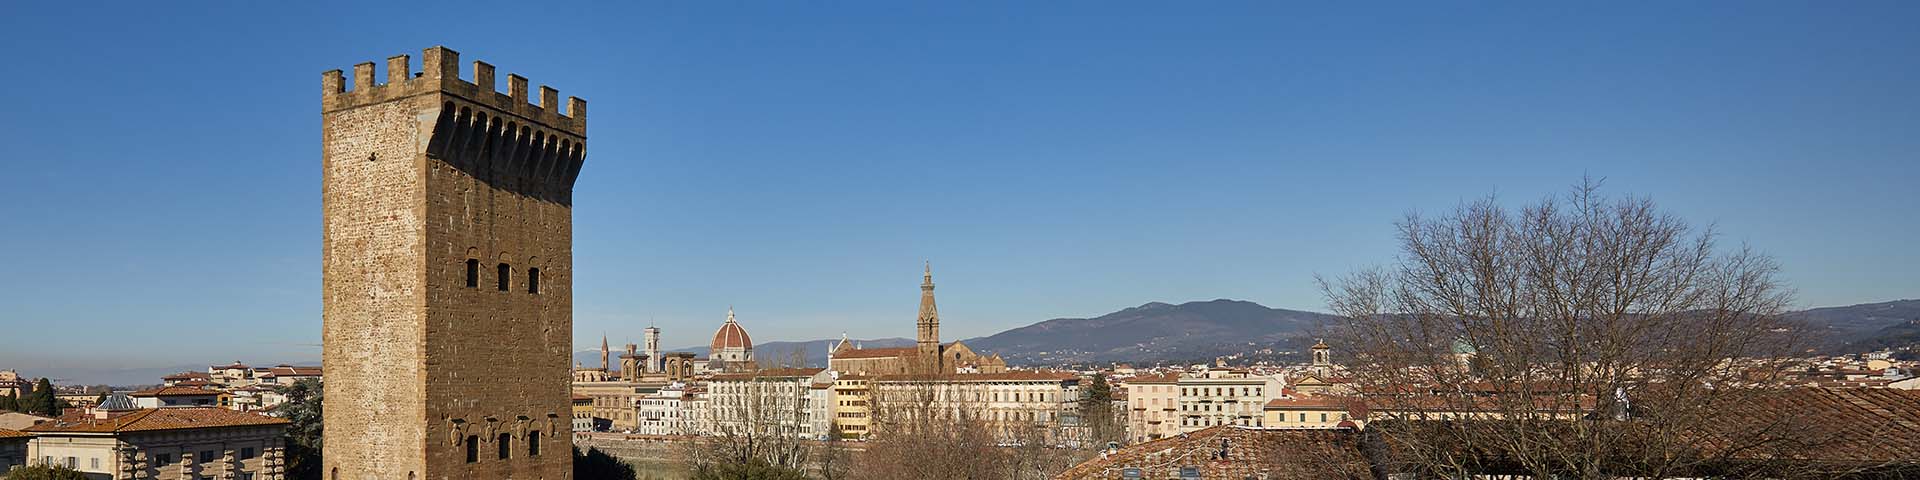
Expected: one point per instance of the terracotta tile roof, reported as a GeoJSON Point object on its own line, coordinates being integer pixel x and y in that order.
{"type": "Point", "coordinates": [1023, 375]}
{"type": "Point", "coordinates": [291, 371]}
{"type": "Point", "coordinates": [175, 391]}
{"type": "Point", "coordinates": [1846, 425]}
{"type": "Point", "coordinates": [769, 373]}
{"type": "Point", "coordinates": [877, 352]}
{"type": "Point", "coordinates": [1165, 378]}
{"type": "Point", "coordinates": [1316, 403]}
{"type": "Point", "coordinates": [156, 419]}
{"type": "Point", "coordinates": [6, 434]}
{"type": "Point", "coordinates": [1249, 452]}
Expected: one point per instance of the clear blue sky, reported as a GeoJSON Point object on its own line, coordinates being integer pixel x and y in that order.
{"type": "Point", "coordinates": [798, 160]}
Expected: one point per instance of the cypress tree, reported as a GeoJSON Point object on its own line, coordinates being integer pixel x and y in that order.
{"type": "Point", "coordinates": [43, 402]}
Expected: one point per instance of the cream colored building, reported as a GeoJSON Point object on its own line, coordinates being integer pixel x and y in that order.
{"type": "Point", "coordinates": [771, 401]}
{"type": "Point", "coordinates": [11, 385]}
{"type": "Point", "coordinates": [1153, 407]}
{"type": "Point", "coordinates": [117, 441]}
{"type": "Point", "coordinates": [664, 412]}
{"type": "Point", "coordinates": [1010, 402]}
{"type": "Point", "coordinates": [1224, 397]}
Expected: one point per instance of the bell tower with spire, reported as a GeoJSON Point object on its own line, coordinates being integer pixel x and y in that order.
{"type": "Point", "coordinates": [927, 335]}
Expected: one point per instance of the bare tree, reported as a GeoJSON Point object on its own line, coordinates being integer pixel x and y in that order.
{"type": "Point", "coordinates": [918, 434]}
{"type": "Point", "coordinates": [937, 428]}
{"type": "Point", "coordinates": [1578, 337]}
{"type": "Point", "coordinates": [756, 425]}
{"type": "Point", "coordinates": [833, 458]}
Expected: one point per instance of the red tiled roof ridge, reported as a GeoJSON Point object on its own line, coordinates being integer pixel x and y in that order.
{"type": "Point", "coordinates": [1308, 402]}
{"type": "Point", "coordinates": [986, 377]}
{"type": "Point", "coordinates": [174, 391]}
{"type": "Point", "coordinates": [156, 419]}
{"type": "Point", "coordinates": [876, 352]}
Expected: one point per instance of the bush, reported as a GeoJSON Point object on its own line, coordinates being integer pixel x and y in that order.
{"type": "Point", "coordinates": [755, 469]}
{"type": "Point", "coordinates": [44, 472]}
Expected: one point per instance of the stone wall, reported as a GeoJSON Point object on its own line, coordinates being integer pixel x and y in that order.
{"type": "Point", "coordinates": [433, 187]}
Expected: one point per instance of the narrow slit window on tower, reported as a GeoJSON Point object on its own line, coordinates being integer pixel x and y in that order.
{"type": "Point", "coordinates": [533, 280]}
{"type": "Point", "coordinates": [504, 276]}
{"type": "Point", "coordinates": [473, 448]}
{"type": "Point", "coordinates": [533, 443]}
{"type": "Point", "coordinates": [473, 273]}
{"type": "Point", "coordinates": [506, 445]}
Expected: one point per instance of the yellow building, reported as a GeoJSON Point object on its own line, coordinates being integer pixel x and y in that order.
{"type": "Point", "coordinates": [852, 414]}
{"type": "Point", "coordinates": [1308, 413]}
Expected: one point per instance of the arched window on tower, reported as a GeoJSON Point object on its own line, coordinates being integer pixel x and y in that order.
{"type": "Point", "coordinates": [533, 443]}
{"type": "Point", "coordinates": [504, 276]}
{"type": "Point", "coordinates": [506, 445]}
{"type": "Point", "coordinates": [473, 448]}
{"type": "Point", "coordinates": [473, 273]}
{"type": "Point", "coordinates": [533, 280]}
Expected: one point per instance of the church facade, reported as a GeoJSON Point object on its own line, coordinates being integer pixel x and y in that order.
{"type": "Point", "coordinates": [927, 357]}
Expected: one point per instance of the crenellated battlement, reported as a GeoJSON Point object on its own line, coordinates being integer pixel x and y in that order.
{"type": "Point", "coordinates": [440, 73]}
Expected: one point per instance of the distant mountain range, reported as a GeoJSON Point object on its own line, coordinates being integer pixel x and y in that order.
{"type": "Point", "coordinates": [1867, 326]}
{"type": "Point", "coordinates": [1153, 332]}
{"type": "Point", "coordinates": [1199, 331]}
{"type": "Point", "coordinates": [1161, 332]}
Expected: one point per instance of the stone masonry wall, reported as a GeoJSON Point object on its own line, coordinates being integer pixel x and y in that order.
{"type": "Point", "coordinates": [424, 174]}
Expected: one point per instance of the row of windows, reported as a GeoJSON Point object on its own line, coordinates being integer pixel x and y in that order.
{"type": "Point", "coordinates": [1208, 422]}
{"type": "Point", "coordinates": [206, 456]}
{"type": "Point", "coordinates": [160, 461]}
{"type": "Point", "coordinates": [503, 276]}
{"type": "Point", "coordinates": [1213, 407]}
{"type": "Point", "coordinates": [1303, 417]}
{"type": "Point", "coordinates": [505, 446]}
{"type": "Point", "coordinates": [1219, 391]}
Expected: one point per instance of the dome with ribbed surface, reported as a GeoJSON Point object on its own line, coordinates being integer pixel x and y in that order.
{"type": "Point", "coordinates": [731, 343]}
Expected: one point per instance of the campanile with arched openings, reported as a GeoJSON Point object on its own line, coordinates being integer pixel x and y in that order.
{"type": "Point", "coordinates": [447, 272]}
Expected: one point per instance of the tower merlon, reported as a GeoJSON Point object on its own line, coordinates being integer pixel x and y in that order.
{"type": "Point", "coordinates": [517, 87]}
{"type": "Point", "coordinates": [398, 69]}
{"type": "Point", "coordinates": [483, 75]}
{"type": "Point", "coordinates": [440, 74]}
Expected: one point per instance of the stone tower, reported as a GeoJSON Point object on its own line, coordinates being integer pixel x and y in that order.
{"type": "Point", "coordinates": [604, 353]}
{"type": "Point", "coordinates": [653, 349]}
{"type": "Point", "coordinates": [927, 331]}
{"type": "Point", "coordinates": [447, 273]}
